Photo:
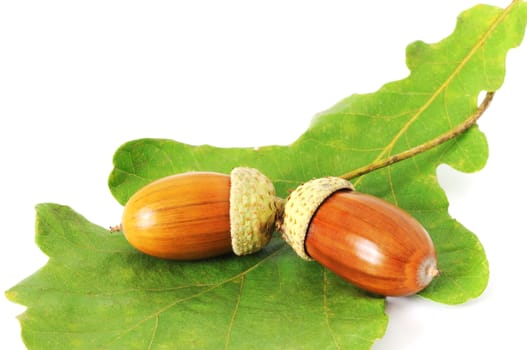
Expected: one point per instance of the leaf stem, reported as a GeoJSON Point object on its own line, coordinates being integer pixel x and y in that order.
{"type": "Point", "coordinates": [461, 128]}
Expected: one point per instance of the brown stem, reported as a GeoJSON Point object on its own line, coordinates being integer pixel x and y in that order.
{"type": "Point", "coordinates": [116, 228]}
{"type": "Point", "coordinates": [461, 128]}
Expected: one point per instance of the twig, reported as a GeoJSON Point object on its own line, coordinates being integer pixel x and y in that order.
{"type": "Point", "coordinates": [461, 128]}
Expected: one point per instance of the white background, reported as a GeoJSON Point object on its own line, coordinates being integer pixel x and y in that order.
{"type": "Point", "coordinates": [78, 79]}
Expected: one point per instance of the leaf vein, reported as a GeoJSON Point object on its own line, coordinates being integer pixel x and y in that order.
{"type": "Point", "coordinates": [235, 312]}
{"type": "Point", "coordinates": [154, 332]}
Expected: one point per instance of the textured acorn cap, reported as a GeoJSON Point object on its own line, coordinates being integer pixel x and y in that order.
{"type": "Point", "coordinates": [253, 208]}
{"type": "Point", "coordinates": [302, 204]}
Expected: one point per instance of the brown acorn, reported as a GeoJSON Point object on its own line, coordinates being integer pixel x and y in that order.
{"type": "Point", "coordinates": [367, 241]}
{"type": "Point", "coordinates": [198, 215]}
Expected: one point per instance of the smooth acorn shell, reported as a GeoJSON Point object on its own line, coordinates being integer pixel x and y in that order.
{"type": "Point", "coordinates": [183, 217]}
{"type": "Point", "coordinates": [372, 244]}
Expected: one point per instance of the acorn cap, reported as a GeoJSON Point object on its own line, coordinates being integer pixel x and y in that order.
{"type": "Point", "coordinates": [253, 208]}
{"type": "Point", "coordinates": [302, 204]}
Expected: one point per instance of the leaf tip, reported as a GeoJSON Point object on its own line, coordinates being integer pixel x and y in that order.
{"type": "Point", "coordinates": [11, 295]}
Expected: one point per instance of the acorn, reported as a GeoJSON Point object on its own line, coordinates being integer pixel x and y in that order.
{"type": "Point", "coordinates": [198, 215]}
{"type": "Point", "coordinates": [369, 242]}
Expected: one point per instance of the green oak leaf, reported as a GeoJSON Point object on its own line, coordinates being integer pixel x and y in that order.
{"type": "Point", "coordinates": [98, 292]}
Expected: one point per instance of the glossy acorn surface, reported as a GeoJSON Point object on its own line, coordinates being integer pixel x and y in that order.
{"type": "Point", "coordinates": [371, 243]}
{"type": "Point", "coordinates": [183, 217]}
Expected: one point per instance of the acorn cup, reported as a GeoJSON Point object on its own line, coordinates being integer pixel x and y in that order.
{"type": "Point", "coordinates": [198, 215]}
{"type": "Point", "coordinates": [367, 241]}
